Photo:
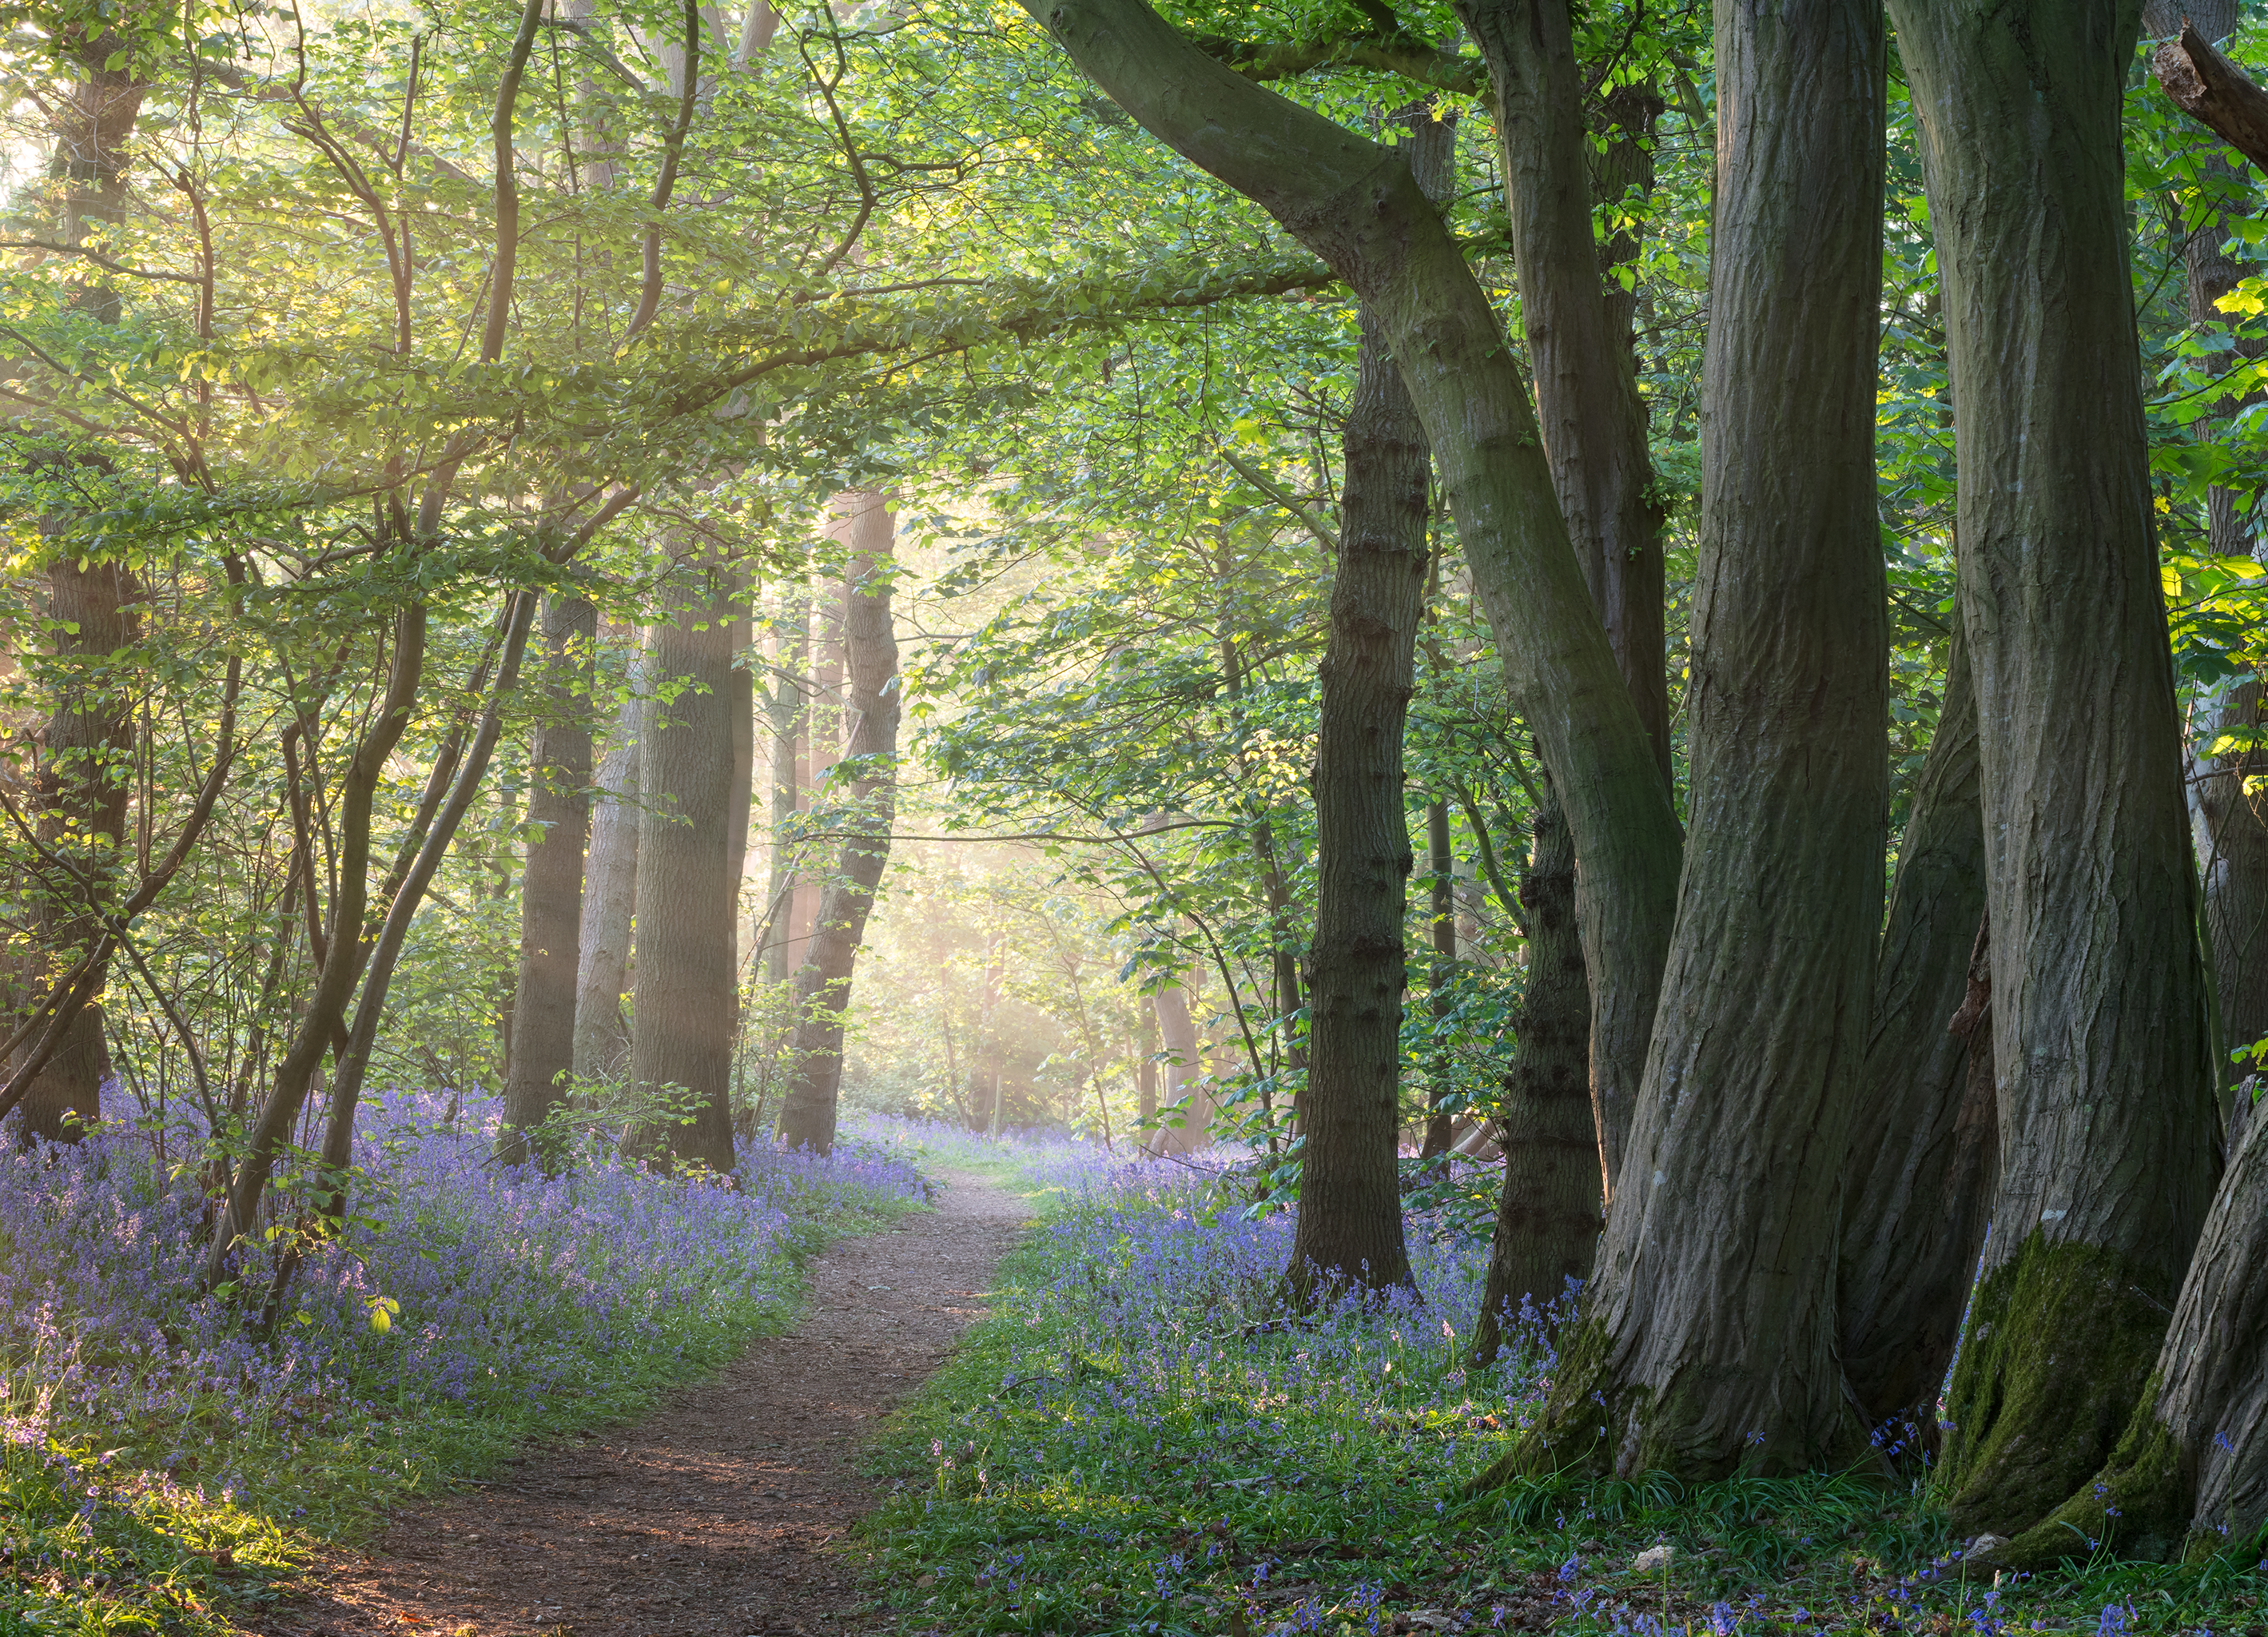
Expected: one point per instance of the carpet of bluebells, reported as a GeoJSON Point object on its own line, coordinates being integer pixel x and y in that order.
{"type": "Point", "coordinates": [1138, 1442]}
{"type": "Point", "coordinates": [148, 1440]}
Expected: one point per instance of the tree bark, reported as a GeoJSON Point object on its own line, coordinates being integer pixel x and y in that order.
{"type": "Point", "coordinates": [682, 1008]}
{"type": "Point", "coordinates": [2215, 93]}
{"type": "Point", "coordinates": [1442, 926]}
{"type": "Point", "coordinates": [785, 714]}
{"type": "Point", "coordinates": [1348, 1231]}
{"type": "Point", "coordinates": [1707, 1344]}
{"type": "Point", "coordinates": [823, 986]}
{"type": "Point", "coordinates": [1924, 1142]}
{"type": "Point", "coordinates": [2107, 1124]}
{"type": "Point", "coordinates": [1357, 206]}
{"type": "Point", "coordinates": [543, 1053]}
{"type": "Point", "coordinates": [1548, 1219]}
{"type": "Point", "coordinates": [1146, 1075]}
{"type": "Point", "coordinates": [1177, 1035]}
{"type": "Point", "coordinates": [610, 900]}
{"type": "Point", "coordinates": [1593, 421]}
{"type": "Point", "coordinates": [2192, 1466]}
{"type": "Point", "coordinates": [81, 789]}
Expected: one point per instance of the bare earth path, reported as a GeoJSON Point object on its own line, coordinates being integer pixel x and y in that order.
{"type": "Point", "coordinates": [712, 1517]}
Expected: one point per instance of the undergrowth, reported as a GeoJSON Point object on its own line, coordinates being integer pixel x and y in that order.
{"type": "Point", "coordinates": [1135, 1442]}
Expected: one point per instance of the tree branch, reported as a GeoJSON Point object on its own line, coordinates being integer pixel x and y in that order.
{"type": "Point", "coordinates": [2215, 93]}
{"type": "Point", "coordinates": [1435, 66]}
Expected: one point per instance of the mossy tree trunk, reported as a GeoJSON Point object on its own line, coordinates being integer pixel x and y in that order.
{"type": "Point", "coordinates": [1356, 204]}
{"type": "Point", "coordinates": [868, 808]}
{"type": "Point", "coordinates": [1707, 1344]}
{"type": "Point", "coordinates": [542, 1052]}
{"type": "Point", "coordinates": [1349, 1231]}
{"type": "Point", "coordinates": [1547, 1218]}
{"type": "Point", "coordinates": [1924, 1142]}
{"type": "Point", "coordinates": [2106, 1112]}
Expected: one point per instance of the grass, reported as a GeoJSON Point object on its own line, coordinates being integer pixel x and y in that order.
{"type": "Point", "coordinates": [1128, 1445]}
{"type": "Point", "coordinates": [159, 1467]}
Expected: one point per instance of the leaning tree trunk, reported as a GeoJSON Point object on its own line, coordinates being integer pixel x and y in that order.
{"type": "Point", "coordinates": [681, 1044]}
{"type": "Point", "coordinates": [1349, 1232]}
{"type": "Point", "coordinates": [601, 1045]}
{"type": "Point", "coordinates": [823, 986]}
{"type": "Point", "coordinates": [82, 791]}
{"type": "Point", "coordinates": [1356, 204]}
{"type": "Point", "coordinates": [1707, 1344]}
{"type": "Point", "coordinates": [2099, 1040]}
{"type": "Point", "coordinates": [1592, 420]}
{"type": "Point", "coordinates": [1924, 1142]}
{"type": "Point", "coordinates": [2191, 1467]}
{"type": "Point", "coordinates": [543, 1054]}
{"type": "Point", "coordinates": [1547, 1218]}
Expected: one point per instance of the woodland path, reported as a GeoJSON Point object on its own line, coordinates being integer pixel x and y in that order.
{"type": "Point", "coordinates": [714, 1517]}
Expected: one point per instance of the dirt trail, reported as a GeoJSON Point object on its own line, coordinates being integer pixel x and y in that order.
{"type": "Point", "coordinates": [711, 1518]}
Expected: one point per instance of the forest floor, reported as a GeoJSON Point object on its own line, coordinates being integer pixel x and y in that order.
{"type": "Point", "coordinates": [715, 1515]}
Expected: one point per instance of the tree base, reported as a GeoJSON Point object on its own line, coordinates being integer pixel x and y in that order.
{"type": "Point", "coordinates": [2062, 1339]}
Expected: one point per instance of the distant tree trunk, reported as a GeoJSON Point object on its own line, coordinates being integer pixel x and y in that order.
{"type": "Point", "coordinates": [601, 1046]}
{"type": "Point", "coordinates": [2108, 1120]}
{"type": "Point", "coordinates": [740, 804]}
{"type": "Point", "coordinates": [1707, 1344]}
{"type": "Point", "coordinates": [785, 714]}
{"type": "Point", "coordinates": [869, 809]}
{"type": "Point", "coordinates": [1348, 1231]}
{"type": "Point", "coordinates": [82, 788]}
{"type": "Point", "coordinates": [1177, 1037]}
{"type": "Point", "coordinates": [1924, 1145]}
{"type": "Point", "coordinates": [542, 1052]}
{"type": "Point", "coordinates": [1145, 1075]}
{"type": "Point", "coordinates": [2193, 1460]}
{"type": "Point", "coordinates": [1547, 1220]}
{"type": "Point", "coordinates": [684, 982]}
{"type": "Point", "coordinates": [1442, 925]}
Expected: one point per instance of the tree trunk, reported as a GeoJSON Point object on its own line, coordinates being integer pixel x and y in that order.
{"type": "Point", "coordinates": [823, 987]}
{"type": "Point", "coordinates": [82, 788]}
{"type": "Point", "coordinates": [1924, 1142]}
{"type": "Point", "coordinates": [2193, 1460]}
{"type": "Point", "coordinates": [785, 714]}
{"type": "Point", "coordinates": [1547, 1221]}
{"type": "Point", "coordinates": [1177, 1037]}
{"type": "Point", "coordinates": [1708, 1342]}
{"type": "Point", "coordinates": [682, 988]}
{"type": "Point", "coordinates": [1145, 1075]}
{"type": "Point", "coordinates": [1348, 1233]}
{"type": "Point", "coordinates": [609, 899]}
{"type": "Point", "coordinates": [542, 1052]}
{"type": "Point", "coordinates": [2107, 1113]}
{"type": "Point", "coordinates": [1357, 206]}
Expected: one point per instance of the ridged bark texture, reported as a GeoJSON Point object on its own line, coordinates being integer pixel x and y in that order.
{"type": "Point", "coordinates": [1548, 1220]}
{"type": "Point", "coordinates": [610, 901]}
{"type": "Point", "coordinates": [869, 807]}
{"type": "Point", "coordinates": [2107, 1114]}
{"type": "Point", "coordinates": [1348, 1233]}
{"type": "Point", "coordinates": [681, 1011]}
{"type": "Point", "coordinates": [81, 788]}
{"type": "Point", "coordinates": [1924, 1142]}
{"type": "Point", "coordinates": [2193, 1465]}
{"type": "Point", "coordinates": [1708, 1344]}
{"type": "Point", "coordinates": [1356, 204]}
{"type": "Point", "coordinates": [552, 884]}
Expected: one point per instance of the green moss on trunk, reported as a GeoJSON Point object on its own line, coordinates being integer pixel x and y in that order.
{"type": "Point", "coordinates": [2137, 1506]}
{"type": "Point", "coordinates": [2062, 1341]}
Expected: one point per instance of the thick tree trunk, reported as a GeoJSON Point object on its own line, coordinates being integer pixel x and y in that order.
{"type": "Point", "coordinates": [868, 809]}
{"type": "Point", "coordinates": [1177, 1038]}
{"type": "Point", "coordinates": [1146, 1075]}
{"type": "Point", "coordinates": [82, 790]}
{"type": "Point", "coordinates": [1547, 1222]}
{"type": "Point", "coordinates": [1708, 1342]}
{"type": "Point", "coordinates": [1357, 205]}
{"type": "Point", "coordinates": [610, 901]}
{"type": "Point", "coordinates": [1348, 1233]}
{"type": "Point", "coordinates": [2107, 1113]}
{"type": "Point", "coordinates": [681, 1010]}
{"type": "Point", "coordinates": [542, 1052]}
{"type": "Point", "coordinates": [2191, 1467]}
{"type": "Point", "coordinates": [1924, 1142]}
{"type": "Point", "coordinates": [784, 715]}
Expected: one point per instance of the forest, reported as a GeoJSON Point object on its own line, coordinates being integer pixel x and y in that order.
{"type": "Point", "coordinates": [1137, 819]}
